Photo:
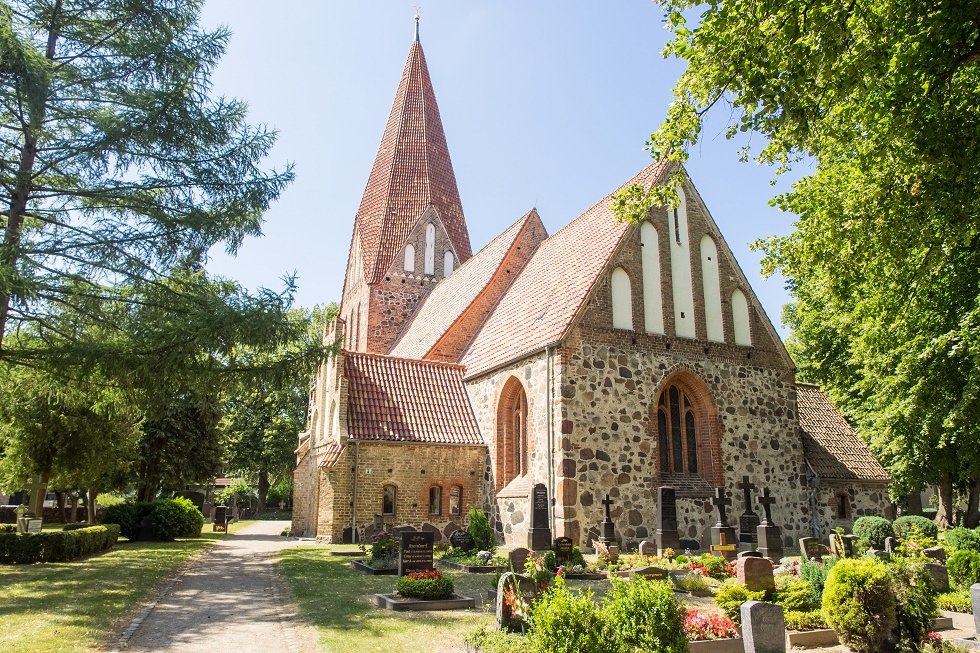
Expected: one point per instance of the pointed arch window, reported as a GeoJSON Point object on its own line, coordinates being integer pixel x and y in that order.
{"type": "Point", "coordinates": [677, 432]}
{"type": "Point", "coordinates": [430, 248]}
{"type": "Point", "coordinates": [448, 264]}
{"type": "Point", "coordinates": [409, 258]}
{"type": "Point", "coordinates": [622, 300]}
{"type": "Point", "coordinates": [512, 449]}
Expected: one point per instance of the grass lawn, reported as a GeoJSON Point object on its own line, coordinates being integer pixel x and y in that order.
{"type": "Point", "coordinates": [336, 600]}
{"type": "Point", "coordinates": [74, 606]}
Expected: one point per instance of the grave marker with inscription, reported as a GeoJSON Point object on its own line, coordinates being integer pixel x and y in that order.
{"type": "Point", "coordinates": [748, 521]}
{"type": "Point", "coordinates": [462, 540]}
{"type": "Point", "coordinates": [539, 535]}
{"type": "Point", "coordinates": [518, 558]}
{"type": "Point", "coordinates": [666, 534]}
{"type": "Point", "coordinates": [563, 550]}
{"type": "Point", "coordinates": [810, 548]}
{"type": "Point", "coordinates": [763, 627]}
{"type": "Point", "coordinates": [768, 535]}
{"type": "Point", "coordinates": [416, 551]}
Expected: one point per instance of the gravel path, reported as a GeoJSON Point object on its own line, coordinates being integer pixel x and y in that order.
{"type": "Point", "coordinates": [231, 599]}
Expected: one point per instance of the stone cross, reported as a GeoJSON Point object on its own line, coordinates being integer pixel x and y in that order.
{"type": "Point", "coordinates": [766, 502]}
{"type": "Point", "coordinates": [720, 502]}
{"type": "Point", "coordinates": [608, 528]}
{"type": "Point", "coordinates": [607, 502]}
{"type": "Point", "coordinates": [747, 488]}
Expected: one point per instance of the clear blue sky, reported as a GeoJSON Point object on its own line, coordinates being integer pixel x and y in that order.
{"type": "Point", "coordinates": [545, 104]}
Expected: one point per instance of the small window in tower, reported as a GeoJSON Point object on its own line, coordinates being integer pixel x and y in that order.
{"type": "Point", "coordinates": [448, 263]}
{"type": "Point", "coordinates": [410, 258]}
{"type": "Point", "coordinates": [389, 494]}
{"type": "Point", "coordinates": [435, 500]}
{"type": "Point", "coordinates": [430, 248]}
{"type": "Point", "coordinates": [843, 506]}
{"type": "Point", "coordinates": [455, 500]}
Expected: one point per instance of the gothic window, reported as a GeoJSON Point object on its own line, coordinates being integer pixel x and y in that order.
{"type": "Point", "coordinates": [740, 318]}
{"type": "Point", "coordinates": [622, 300]}
{"type": "Point", "coordinates": [456, 500]}
{"type": "Point", "coordinates": [435, 500]}
{"type": "Point", "coordinates": [430, 248]}
{"type": "Point", "coordinates": [512, 437]}
{"type": "Point", "coordinates": [448, 262]}
{"type": "Point", "coordinates": [389, 494]}
{"type": "Point", "coordinates": [409, 258]}
{"type": "Point", "coordinates": [653, 304]}
{"type": "Point", "coordinates": [677, 432]}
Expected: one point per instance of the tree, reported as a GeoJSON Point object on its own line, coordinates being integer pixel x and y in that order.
{"type": "Point", "coordinates": [884, 97]}
{"type": "Point", "coordinates": [117, 167]}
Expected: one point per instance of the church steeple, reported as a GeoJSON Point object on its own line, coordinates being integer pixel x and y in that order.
{"type": "Point", "coordinates": [412, 171]}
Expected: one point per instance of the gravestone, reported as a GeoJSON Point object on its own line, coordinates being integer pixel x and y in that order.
{"type": "Point", "coordinates": [975, 602]}
{"type": "Point", "coordinates": [613, 553]}
{"type": "Point", "coordinates": [563, 549]}
{"type": "Point", "coordinates": [462, 540]}
{"type": "Point", "coordinates": [748, 521]}
{"type": "Point", "coordinates": [34, 525]}
{"type": "Point", "coordinates": [763, 627]}
{"type": "Point", "coordinates": [749, 554]}
{"type": "Point", "coordinates": [890, 544]}
{"type": "Point", "coordinates": [221, 515]}
{"type": "Point", "coordinates": [650, 573]}
{"type": "Point", "coordinates": [810, 548]}
{"type": "Point", "coordinates": [938, 576]}
{"type": "Point", "coordinates": [416, 551]}
{"type": "Point", "coordinates": [768, 536]}
{"type": "Point", "coordinates": [666, 535]}
{"type": "Point", "coordinates": [519, 585]}
{"type": "Point", "coordinates": [850, 545]}
{"type": "Point", "coordinates": [608, 529]}
{"type": "Point", "coordinates": [539, 535]}
{"type": "Point", "coordinates": [755, 574]}
{"type": "Point", "coordinates": [723, 537]}
{"type": "Point", "coordinates": [690, 545]}
{"type": "Point", "coordinates": [648, 548]}
{"type": "Point", "coordinates": [836, 545]}
{"type": "Point", "coordinates": [518, 557]}
{"type": "Point", "coordinates": [936, 553]}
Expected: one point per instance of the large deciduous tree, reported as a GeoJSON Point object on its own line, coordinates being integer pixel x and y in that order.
{"type": "Point", "coordinates": [884, 262]}
{"type": "Point", "coordinates": [117, 166]}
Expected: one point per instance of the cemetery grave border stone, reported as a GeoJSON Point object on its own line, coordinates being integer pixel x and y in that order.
{"type": "Point", "coordinates": [415, 553]}
{"type": "Point", "coordinates": [539, 535]}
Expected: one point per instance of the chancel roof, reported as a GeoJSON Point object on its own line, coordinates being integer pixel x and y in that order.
{"type": "Point", "coordinates": [543, 301]}
{"type": "Point", "coordinates": [412, 170]}
{"type": "Point", "coordinates": [401, 400]}
{"type": "Point", "coordinates": [830, 445]}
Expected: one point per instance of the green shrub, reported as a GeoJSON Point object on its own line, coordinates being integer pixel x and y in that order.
{"type": "Point", "coordinates": [480, 531]}
{"type": "Point", "coordinates": [874, 530]}
{"type": "Point", "coordinates": [904, 526]}
{"type": "Point", "coordinates": [955, 601]}
{"type": "Point", "coordinates": [384, 546]}
{"type": "Point", "coordinates": [805, 620]}
{"type": "Point", "coordinates": [562, 622]}
{"type": "Point", "coordinates": [714, 566]}
{"type": "Point", "coordinates": [915, 604]}
{"type": "Point", "coordinates": [128, 516]}
{"type": "Point", "coordinates": [732, 594]}
{"type": "Point", "coordinates": [430, 585]}
{"type": "Point", "coordinates": [8, 528]}
{"type": "Point", "coordinates": [576, 559]}
{"type": "Point", "coordinates": [56, 546]}
{"type": "Point", "coordinates": [693, 583]}
{"type": "Point", "coordinates": [494, 640]}
{"type": "Point", "coordinates": [858, 603]}
{"type": "Point", "coordinates": [74, 526]}
{"type": "Point", "coordinates": [815, 573]}
{"type": "Point", "coordinates": [964, 568]}
{"type": "Point", "coordinates": [962, 538]}
{"type": "Point", "coordinates": [795, 594]}
{"type": "Point", "coordinates": [168, 520]}
{"type": "Point", "coordinates": [193, 518]}
{"type": "Point", "coordinates": [643, 615]}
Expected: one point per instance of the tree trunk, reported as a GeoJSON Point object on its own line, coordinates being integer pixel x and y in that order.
{"type": "Point", "coordinates": [39, 490]}
{"type": "Point", "coordinates": [263, 490]}
{"type": "Point", "coordinates": [62, 500]}
{"type": "Point", "coordinates": [74, 507]}
{"type": "Point", "coordinates": [913, 503]}
{"type": "Point", "coordinates": [944, 514]}
{"type": "Point", "coordinates": [973, 504]}
{"type": "Point", "coordinates": [90, 503]}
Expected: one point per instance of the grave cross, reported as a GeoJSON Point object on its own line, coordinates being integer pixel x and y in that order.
{"type": "Point", "coordinates": [747, 488]}
{"type": "Point", "coordinates": [723, 546]}
{"type": "Point", "coordinates": [720, 502]}
{"type": "Point", "coordinates": [766, 502]}
{"type": "Point", "coordinates": [607, 502]}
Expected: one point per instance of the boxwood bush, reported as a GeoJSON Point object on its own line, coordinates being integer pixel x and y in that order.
{"type": "Point", "coordinates": [962, 538]}
{"type": "Point", "coordinates": [804, 620]}
{"type": "Point", "coordinates": [964, 568]}
{"type": "Point", "coordinates": [170, 518]}
{"type": "Point", "coordinates": [874, 530]}
{"type": "Point", "coordinates": [858, 603]}
{"type": "Point", "coordinates": [56, 546]}
{"type": "Point", "coordinates": [563, 622]}
{"type": "Point", "coordinates": [903, 526]}
{"type": "Point", "coordinates": [732, 594]}
{"type": "Point", "coordinates": [429, 585]}
{"type": "Point", "coordinates": [643, 615]}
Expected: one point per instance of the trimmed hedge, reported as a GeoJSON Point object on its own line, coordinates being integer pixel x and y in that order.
{"type": "Point", "coordinates": [903, 526]}
{"type": "Point", "coordinates": [874, 530]}
{"type": "Point", "coordinates": [56, 546]}
{"type": "Point", "coordinates": [170, 518]}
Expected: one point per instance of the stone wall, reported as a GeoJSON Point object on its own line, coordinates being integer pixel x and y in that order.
{"type": "Point", "coordinates": [304, 487]}
{"type": "Point", "coordinates": [861, 499]}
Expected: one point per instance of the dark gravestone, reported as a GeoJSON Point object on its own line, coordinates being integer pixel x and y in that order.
{"type": "Point", "coordinates": [197, 498]}
{"type": "Point", "coordinates": [563, 550]}
{"type": "Point", "coordinates": [147, 533]}
{"type": "Point", "coordinates": [539, 535]}
{"type": "Point", "coordinates": [518, 559]}
{"type": "Point", "coordinates": [650, 573]}
{"type": "Point", "coordinates": [763, 627]}
{"type": "Point", "coordinates": [750, 554]}
{"type": "Point", "coordinates": [608, 528]}
{"type": "Point", "coordinates": [936, 553]}
{"type": "Point", "coordinates": [723, 537]}
{"type": "Point", "coordinates": [755, 574]}
{"type": "Point", "coordinates": [462, 540]}
{"type": "Point", "coordinates": [850, 545]}
{"type": "Point", "coordinates": [810, 548]}
{"type": "Point", "coordinates": [768, 536]}
{"type": "Point", "coordinates": [416, 551]}
{"type": "Point", "coordinates": [514, 588]}
{"type": "Point", "coordinates": [938, 576]}
{"type": "Point", "coordinates": [748, 521]}
{"type": "Point", "coordinates": [648, 548]}
{"type": "Point", "coordinates": [221, 515]}
{"type": "Point", "coordinates": [666, 534]}
{"type": "Point", "coordinates": [690, 545]}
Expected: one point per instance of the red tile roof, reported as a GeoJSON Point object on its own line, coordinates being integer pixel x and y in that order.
{"type": "Point", "coordinates": [544, 300]}
{"type": "Point", "coordinates": [332, 455]}
{"type": "Point", "coordinates": [411, 171]}
{"type": "Point", "coordinates": [442, 307]}
{"type": "Point", "coordinates": [402, 400]}
{"type": "Point", "coordinates": [830, 445]}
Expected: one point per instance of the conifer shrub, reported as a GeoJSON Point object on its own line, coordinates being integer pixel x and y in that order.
{"type": "Point", "coordinates": [643, 615]}
{"type": "Point", "coordinates": [904, 526]}
{"type": "Point", "coordinates": [795, 594]}
{"type": "Point", "coordinates": [874, 530]}
{"type": "Point", "coordinates": [964, 568]}
{"type": "Point", "coordinates": [128, 516]}
{"type": "Point", "coordinates": [858, 603]}
{"type": "Point", "coordinates": [816, 573]}
{"type": "Point", "coordinates": [915, 604]}
{"type": "Point", "coordinates": [962, 538]}
{"type": "Point", "coordinates": [480, 531]}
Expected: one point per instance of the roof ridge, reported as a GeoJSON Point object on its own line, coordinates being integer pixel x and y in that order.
{"type": "Point", "coordinates": [422, 361]}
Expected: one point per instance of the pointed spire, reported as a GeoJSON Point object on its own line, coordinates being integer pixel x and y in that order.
{"type": "Point", "coordinates": [417, 18]}
{"type": "Point", "coordinates": [411, 171]}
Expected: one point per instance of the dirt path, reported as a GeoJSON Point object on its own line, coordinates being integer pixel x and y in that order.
{"type": "Point", "coordinates": [230, 600]}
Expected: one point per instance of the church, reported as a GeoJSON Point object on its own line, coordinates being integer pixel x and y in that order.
{"type": "Point", "coordinates": [605, 359]}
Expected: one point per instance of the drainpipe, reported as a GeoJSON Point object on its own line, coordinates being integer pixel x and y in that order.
{"type": "Point", "coordinates": [549, 392]}
{"type": "Point", "coordinates": [812, 484]}
{"type": "Point", "coordinates": [353, 505]}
